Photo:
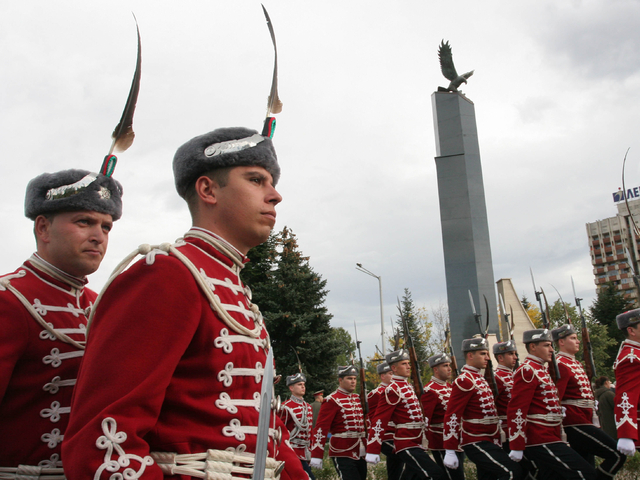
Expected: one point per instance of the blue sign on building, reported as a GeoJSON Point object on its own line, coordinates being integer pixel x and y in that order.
{"type": "Point", "coordinates": [631, 193]}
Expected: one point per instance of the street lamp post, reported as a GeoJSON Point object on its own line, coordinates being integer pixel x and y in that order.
{"type": "Point", "coordinates": [364, 270]}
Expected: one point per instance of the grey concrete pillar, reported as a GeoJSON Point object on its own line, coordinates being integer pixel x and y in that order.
{"type": "Point", "coordinates": [463, 215]}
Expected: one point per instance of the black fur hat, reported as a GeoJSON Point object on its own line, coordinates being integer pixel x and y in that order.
{"type": "Point", "coordinates": [73, 190]}
{"type": "Point", "coordinates": [224, 147]}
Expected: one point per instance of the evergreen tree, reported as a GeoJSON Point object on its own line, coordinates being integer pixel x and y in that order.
{"type": "Point", "coordinates": [291, 297]}
{"type": "Point", "coordinates": [607, 305]}
{"type": "Point", "coordinates": [418, 327]}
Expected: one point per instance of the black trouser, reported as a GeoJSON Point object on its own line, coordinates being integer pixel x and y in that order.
{"type": "Point", "coordinates": [418, 464]}
{"type": "Point", "coordinates": [350, 469]}
{"type": "Point", "coordinates": [590, 441]}
{"type": "Point", "coordinates": [394, 464]}
{"type": "Point", "coordinates": [458, 473]}
{"type": "Point", "coordinates": [492, 462]}
{"type": "Point", "coordinates": [558, 461]}
{"type": "Point", "coordinates": [307, 468]}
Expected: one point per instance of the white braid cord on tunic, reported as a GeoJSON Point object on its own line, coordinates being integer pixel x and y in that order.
{"type": "Point", "coordinates": [213, 299]}
{"type": "Point", "coordinates": [214, 465]}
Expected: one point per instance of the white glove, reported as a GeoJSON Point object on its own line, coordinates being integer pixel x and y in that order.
{"type": "Point", "coordinates": [450, 459]}
{"type": "Point", "coordinates": [626, 446]}
{"type": "Point", "coordinates": [316, 463]}
{"type": "Point", "coordinates": [372, 458]}
{"type": "Point", "coordinates": [516, 455]}
{"type": "Point", "coordinates": [564, 412]}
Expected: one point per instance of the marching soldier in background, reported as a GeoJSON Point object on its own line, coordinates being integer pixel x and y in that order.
{"type": "Point", "coordinates": [535, 416]}
{"type": "Point", "coordinates": [394, 464]}
{"type": "Point", "coordinates": [341, 415]}
{"type": "Point", "coordinates": [506, 355]}
{"type": "Point", "coordinates": [400, 405]}
{"type": "Point", "coordinates": [44, 307]}
{"type": "Point", "coordinates": [298, 417]}
{"type": "Point", "coordinates": [472, 420]}
{"type": "Point", "coordinates": [434, 406]}
{"type": "Point", "coordinates": [577, 400]}
{"type": "Point", "coordinates": [318, 398]}
{"type": "Point", "coordinates": [627, 370]}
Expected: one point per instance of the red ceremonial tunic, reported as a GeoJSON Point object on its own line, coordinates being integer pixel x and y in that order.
{"type": "Point", "coordinates": [504, 382]}
{"type": "Point", "coordinates": [37, 370]}
{"type": "Point", "coordinates": [574, 391]}
{"type": "Point", "coordinates": [340, 415]}
{"type": "Point", "coordinates": [373, 399]}
{"type": "Point", "coordinates": [399, 404]}
{"type": "Point", "coordinates": [435, 399]}
{"type": "Point", "coordinates": [471, 414]}
{"type": "Point", "coordinates": [627, 401]}
{"type": "Point", "coordinates": [166, 373]}
{"type": "Point", "coordinates": [534, 415]}
{"type": "Point", "coordinates": [297, 417]}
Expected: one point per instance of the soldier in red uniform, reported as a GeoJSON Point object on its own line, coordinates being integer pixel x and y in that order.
{"type": "Point", "coordinates": [44, 307]}
{"type": "Point", "coordinates": [627, 370]}
{"type": "Point", "coordinates": [341, 415]}
{"type": "Point", "coordinates": [394, 464]}
{"type": "Point", "coordinates": [176, 353]}
{"type": "Point", "coordinates": [576, 397]}
{"type": "Point", "coordinates": [298, 418]}
{"type": "Point", "coordinates": [434, 406]}
{"type": "Point", "coordinates": [400, 405]}
{"type": "Point", "coordinates": [535, 416]}
{"type": "Point", "coordinates": [506, 355]}
{"type": "Point", "coordinates": [472, 420]}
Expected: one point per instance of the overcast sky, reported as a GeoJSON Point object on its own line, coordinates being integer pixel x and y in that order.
{"type": "Point", "coordinates": [556, 90]}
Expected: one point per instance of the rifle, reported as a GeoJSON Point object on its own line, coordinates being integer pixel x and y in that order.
{"type": "Point", "coordinates": [510, 327]}
{"type": "Point", "coordinates": [449, 349]}
{"type": "Point", "coordinates": [633, 270]}
{"type": "Point", "coordinates": [488, 371]}
{"type": "Point", "coordinates": [587, 350]}
{"type": "Point", "coordinates": [553, 372]}
{"type": "Point", "coordinates": [409, 345]}
{"type": "Point", "coordinates": [363, 385]}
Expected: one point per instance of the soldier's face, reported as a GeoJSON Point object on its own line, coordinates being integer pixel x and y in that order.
{"type": "Point", "coordinates": [442, 371]}
{"type": "Point", "coordinates": [570, 344]}
{"type": "Point", "coordinates": [75, 242]}
{"type": "Point", "coordinates": [298, 389]}
{"type": "Point", "coordinates": [348, 383]}
{"type": "Point", "coordinates": [543, 350]}
{"type": "Point", "coordinates": [386, 377]}
{"type": "Point", "coordinates": [402, 368]}
{"type": "Point", "coordinates": [508, 359]}
{"type": "Point", "coordinates": [246, 207]}
{"type": "Point", "coordinates": [478, 358]}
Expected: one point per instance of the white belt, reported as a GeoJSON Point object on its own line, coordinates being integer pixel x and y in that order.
{"type": "Point", "coordinates": [410, 425]}
{"type": "Point", "coordinates": [482, 421]}
{"type": "Point", "coordinates": [546, 420]}
{"type": "Point", "coordinates": [29, 472]}
{"type": "Point", "coordinates": [349, 435]}
{"type": "Point", "coordinates": [214, 464]}
{"type": "Point", "coordinates": [582, 403]}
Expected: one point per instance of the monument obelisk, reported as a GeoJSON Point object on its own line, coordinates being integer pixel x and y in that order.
{"type": "Point", "coordinates": [463, 211]}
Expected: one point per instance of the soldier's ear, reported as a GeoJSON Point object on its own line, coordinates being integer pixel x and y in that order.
{"type": "Point", "coordinates": [206, 190]}
{"type": "Point", "coordinates": [42, 228]}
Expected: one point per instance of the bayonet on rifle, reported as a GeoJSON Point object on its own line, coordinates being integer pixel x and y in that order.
{"type": "Point", "coordinates": [363, 385]}
{"type": "Point", "coordinates": [554, 372]}
{"type": "Point", "coordinates": [587, 350]}
{"type": "Point", "coordinates": [410, 347]}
